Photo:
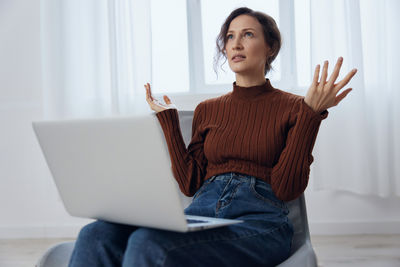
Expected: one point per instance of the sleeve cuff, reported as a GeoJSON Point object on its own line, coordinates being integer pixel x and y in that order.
{"type": "Point", "coordinates": [319, 116]}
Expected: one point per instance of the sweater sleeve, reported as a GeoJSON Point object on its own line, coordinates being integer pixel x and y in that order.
{"type": "Point", "coordinates": [289, 177]}
{"type": "Point", "coordinates": [188, 164]}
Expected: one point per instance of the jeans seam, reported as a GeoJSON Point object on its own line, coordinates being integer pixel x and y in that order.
{"type": "Point", "coordinates": [232, 195]}
{"type": "Point", "coordinates": [222, 240]}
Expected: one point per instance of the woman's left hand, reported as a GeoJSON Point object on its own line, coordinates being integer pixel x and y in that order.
{"type": "Point", "coordinates": [322, 95]}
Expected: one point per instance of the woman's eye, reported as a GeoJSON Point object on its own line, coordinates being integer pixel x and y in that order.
{"type": "Point", "coordinates": [229, 35]}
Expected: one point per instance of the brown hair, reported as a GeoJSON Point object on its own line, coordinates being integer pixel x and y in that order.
{"type": "Point", "coordinates": [271, 32]}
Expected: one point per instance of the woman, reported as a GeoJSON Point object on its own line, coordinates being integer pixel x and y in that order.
{"type": "Point", "coordinates": [250, 152]}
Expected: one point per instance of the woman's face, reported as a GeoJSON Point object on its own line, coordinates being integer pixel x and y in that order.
{"type": "Point", "coordinates": [246, 38]}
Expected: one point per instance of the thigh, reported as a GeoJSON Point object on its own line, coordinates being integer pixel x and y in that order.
{"type": "Point", "coordinates": [233, 245]}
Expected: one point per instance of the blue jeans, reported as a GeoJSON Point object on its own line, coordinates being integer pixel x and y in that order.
{"type": "Point", "coordinates": [263, 239]}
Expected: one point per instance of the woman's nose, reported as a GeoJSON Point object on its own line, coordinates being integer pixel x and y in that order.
{"type": "Point", "coordinates": [237, 43]}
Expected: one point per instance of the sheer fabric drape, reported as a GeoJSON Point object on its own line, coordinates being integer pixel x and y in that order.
{"type": "Point", "coordinates": [97, 56]}
{"type": "Point", "coordinates": [358, 147]}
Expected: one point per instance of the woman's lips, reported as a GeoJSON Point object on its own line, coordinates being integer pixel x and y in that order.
{"type": "Point", "coordinates": [238, 59]}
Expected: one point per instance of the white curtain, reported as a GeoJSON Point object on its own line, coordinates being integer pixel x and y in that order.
{"type": "Point", "coordinates": [96, 57]}
{"type": "Point", "coordinates": [358, 146]}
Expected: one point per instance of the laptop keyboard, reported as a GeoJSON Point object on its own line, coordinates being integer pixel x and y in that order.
{"type": "Point", "coordinates": [195, 221]}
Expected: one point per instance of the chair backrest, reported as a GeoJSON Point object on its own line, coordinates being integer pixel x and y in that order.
{"type": "Point", "coordinates": [185, 121]}
{"type": "Point", "coordinates": [298, 217]}
{"type": "Point", "coordinates": [297, 207]}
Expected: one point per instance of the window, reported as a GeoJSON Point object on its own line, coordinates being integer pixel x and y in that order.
{"type": "Point", "coordinates": [303, 45]}
{"type": "Point", "coordinates": [170, 59]}
{"type": "Point", "coordinates": [184, 36]}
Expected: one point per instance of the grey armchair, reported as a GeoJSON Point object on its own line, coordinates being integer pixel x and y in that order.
{"type": "Point", "coordinates": [302, 253]}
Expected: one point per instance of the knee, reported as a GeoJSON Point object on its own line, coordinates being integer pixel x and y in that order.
{"type": "Point", "coordinates": [89, 232]}
{"type": "Point", "coordinates": [146, 247]}
{"type": "Point", "coordinates": [100, 244]}
{"type": "Point", "coordinates": [99, 231]}
{"type": "Point", "coordinates": [86, 246]}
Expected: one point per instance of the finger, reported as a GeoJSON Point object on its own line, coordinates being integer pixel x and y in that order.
{"type": "Point", "coordinates": [336, 71]}
{"type": "Point", "coordinates": [342, 95]}
{"type": "Point", "coordinates": [167, 100]}
{"type": "Point", "coordinates": [316, 75]}
{"type": "Point", "coordinates": [149, 92]}
{"type": "Point", "coordinates": [324, 73]}
{"type": "Point", "coordinates": [346, 79]}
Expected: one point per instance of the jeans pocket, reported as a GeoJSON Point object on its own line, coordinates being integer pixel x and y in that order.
{"type": "Point", "coordinates": [264, 192]}
{"type": "Point", "coordinates": [201, 189]}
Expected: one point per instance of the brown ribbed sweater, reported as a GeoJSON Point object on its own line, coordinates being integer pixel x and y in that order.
{"type": "Point", "coordinates": [259, 130]}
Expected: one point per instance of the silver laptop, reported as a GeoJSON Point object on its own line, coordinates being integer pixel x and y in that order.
{"type": "Point", "coordinates": [117, 169]}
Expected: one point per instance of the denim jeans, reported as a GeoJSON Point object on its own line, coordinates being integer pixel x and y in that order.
{"type": "Point", "coordinates": [263, 239]}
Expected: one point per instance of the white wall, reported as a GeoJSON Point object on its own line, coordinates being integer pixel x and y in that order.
{"type": "Point", "coordinates": [29, 203]}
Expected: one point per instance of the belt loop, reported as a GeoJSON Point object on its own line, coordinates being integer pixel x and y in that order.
{"type": "Point", "coordinates": [252, 181]}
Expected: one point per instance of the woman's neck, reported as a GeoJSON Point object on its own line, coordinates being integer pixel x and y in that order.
{"type": "Point", "coordinates": [249, 80]}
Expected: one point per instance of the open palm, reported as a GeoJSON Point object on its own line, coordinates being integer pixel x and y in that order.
{"type": "Point", "coordinates": [156, 105]}
{"type": "Point", "coordinates": [322, 95]}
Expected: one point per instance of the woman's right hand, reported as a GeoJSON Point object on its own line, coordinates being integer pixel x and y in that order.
{"type": "Point", "coordinates": [156, 105]}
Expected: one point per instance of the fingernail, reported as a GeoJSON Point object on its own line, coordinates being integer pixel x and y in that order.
{"type": "Point", "coordinates": [341, 58]}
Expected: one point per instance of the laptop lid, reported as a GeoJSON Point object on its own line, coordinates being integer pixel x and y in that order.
{"type": "Point", "coordinates": [116, 169]}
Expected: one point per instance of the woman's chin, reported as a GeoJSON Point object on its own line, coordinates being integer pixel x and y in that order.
{"type": "Point", "coordinates": [237, 68]}
{"type": "Point", "coordinates": [240, 70]}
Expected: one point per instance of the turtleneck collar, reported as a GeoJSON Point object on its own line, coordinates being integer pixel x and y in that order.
{"type": "Point", "coordinates": [251, 93]}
